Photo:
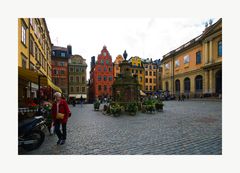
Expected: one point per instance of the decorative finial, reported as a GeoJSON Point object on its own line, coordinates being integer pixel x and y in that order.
{"type": "Point", "coordinates": [125, 55]}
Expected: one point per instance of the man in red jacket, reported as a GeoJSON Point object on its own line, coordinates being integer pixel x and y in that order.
{"type": "Point", "coordinates": [60, 115]}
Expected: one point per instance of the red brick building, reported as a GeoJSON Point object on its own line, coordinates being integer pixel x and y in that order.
{"type": "Point", "coordinates": [60, 57]}
{"type": "Point", "coordinates": [101, 76]}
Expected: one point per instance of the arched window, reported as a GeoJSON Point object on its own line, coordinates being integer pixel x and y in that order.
{"type": "Point", "coordinates": [198, 84]}
{"type": "Point", "coordinates": [186, 85]}
{"type": "Point", "coordinates": [177, 86]}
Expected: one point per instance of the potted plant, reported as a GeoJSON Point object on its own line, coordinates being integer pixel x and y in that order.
{"type": "Point", "coordinates": [132, 108]}
{"type": "Point", "coordinates": [159, 106]}
{"type": "Point", "coordinates": [115, 109]}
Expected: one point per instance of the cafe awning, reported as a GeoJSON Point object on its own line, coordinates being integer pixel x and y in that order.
{"type": "Point", "coordinates": [32, 76]}
{"type": "Point", "coordinates": [142, 93]}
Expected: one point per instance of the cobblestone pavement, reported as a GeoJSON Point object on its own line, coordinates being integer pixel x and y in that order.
{"type": "Point", "coordinates": [190, 127]}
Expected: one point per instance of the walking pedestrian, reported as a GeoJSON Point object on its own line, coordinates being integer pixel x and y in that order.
{"type": "Point", "coordinates": [60, 115]}
{"type": "Point", "coordinates": [81, 101]}
{"type": "Point", "coordinates": [183, 97]}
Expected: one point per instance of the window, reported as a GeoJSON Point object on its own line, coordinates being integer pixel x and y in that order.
{"type": "Point", "coordinates": [146, 88]}
{"type": "Point", "coordinates": [77, 78]}
{"type": "Point", "coordinates": [154, 80]}
{"type": "Point", "coordinates": [154, 88]}
{"type": "Point", "coordinates": [77, 89]}
{"type": "Point", "coordinates": [99, 87]}
{"type": "Point", "coordinates": [187, 85]}
{"type": "Point", "coordinates": [31, 46]}
{"type": "Point", "coordinates": [99, 78]}
{"type": "Point", "coordinates": [61, 64]}
{"type": "Point", "coordinates": [150, 88]}
{"type": "Point", "coordinates": [31, 67]}
{"type": "Point", "coordinates": [62, 72]}
{"type": "Point", "coordinates": [186, 59]}
{"type": "Point", "coordinates": [99, 68]}
{"type": "Point", "coordinates": [36, 52]}
{"type": "Point", "coordinates": [110, 69]}
{"type": "Point", "coordinates": [154, 73]}
{"type": "Point", "coordinates": [83, 89]}
{"type": "Point", "coordinates": [220, 48]}
{"type": "Point", "coordinates": [71, 89]}
{"type": "Point", "coordinates": [167, 66]}
{"type": "Point", "coordinates": [71, 69]}
{"type": "Point", "coordinates": [24, 62]}
{"type": "Point", "coordinates": [136, 71]}
{"type": "Point", "coordinates": [198, 83]}
{"type": "Point", "coordinates": [107, 61]}
{"type": "Point", "coordinates": [177, 63]}
{"type": "Point", "coordinates": [83, 79]}
{"type": "Point", "coordinates": [150, 80]}
{"type": "Point", "coordinates": [198, 57]}
{"type": "Point", "coordinates": [150, 73]}
{"type": "Point", "coordinates": [177, 86]}
{"type": "Point", "coordinates": [53, 53]}
{"type": "Point", "coordinates": [71, 78]}
{"type": "Point", "coordinates": [146, 66]}
{"type": "Point", "coordinates": [146, 80]}
{"type": "Point", "coordinates": [102, 61]}
{"type": "Point", "coordinates": [23, 39]}
{"type": "Point", "coordinates": [105, 88]}
{"type": "Point", "coordinates": [105, 69]}
{"type": "Point", "coordinates": [31, 21]}
{"type": "Point", "coordinates": [105, 78]}
{"type": "Point", "coordinates": [110, 78]}
{"type": "Point", "coordinates": [132, 71]}
{"type": "Point", "coordinates": [146, 73]}
{"type": "Point", "coordinates": [77, 69]}
{"type": "Point", "coordinates": [140, 71]}
{"type": "Point", "coordinates": [150, 67]}
{"type": "Point", "coordinates": [138, 64]}
{"type": "Point", "coordinates": [63, 54]}
{"type": "Point", "coordinates": [140, 79]}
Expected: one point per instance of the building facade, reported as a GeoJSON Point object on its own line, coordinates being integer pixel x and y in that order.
{"type": "Point", "coordinates": [116, 67]}
{"type": "Point", "coordinates": [138, 69]}
{"type": "Point", "coordinates": [195, 68]}
{"type": "Point", "coordinates": [34, 53]}
{"type": "Point", "coordinates": [101, 76]}
{"type": "Point", "coordinates": [60, 56]}
{"type": "Point", "coordinates": [77, 68]}
{"type": "Point", "coordinates": [151, 72]}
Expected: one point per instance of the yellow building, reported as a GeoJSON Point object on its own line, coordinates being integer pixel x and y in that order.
{"type": "Point", "coordinates": [151, 72]}
{"type": "Point", "coordinates": [138, 69]}
{"type": "Point", "coordinates": [34, 56]}
{"type": "Point", "coordinates": [116, 68]}
{"type": "Point", "coordinates": [195, 68]}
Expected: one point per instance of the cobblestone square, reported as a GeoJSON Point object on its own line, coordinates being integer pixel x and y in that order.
{"type": "Point", "coordinates": [183, 128]}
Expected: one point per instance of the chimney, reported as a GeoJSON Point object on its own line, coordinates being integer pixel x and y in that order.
{"type": "Point", "coordinates": [69, 50]}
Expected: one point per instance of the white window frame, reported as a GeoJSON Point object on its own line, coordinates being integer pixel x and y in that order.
{"type": "Point", "coordinates": [186, 59]}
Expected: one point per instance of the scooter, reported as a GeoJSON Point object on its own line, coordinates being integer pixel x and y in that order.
{"type": "Point", "coordinates": [30, 133]}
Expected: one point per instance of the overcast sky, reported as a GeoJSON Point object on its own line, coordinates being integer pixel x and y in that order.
{"type": "Point", "coordinates": [143, 37]}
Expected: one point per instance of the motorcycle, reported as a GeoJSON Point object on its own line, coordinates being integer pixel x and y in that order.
{"type": "Point", "coordinates": [30, 133]}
